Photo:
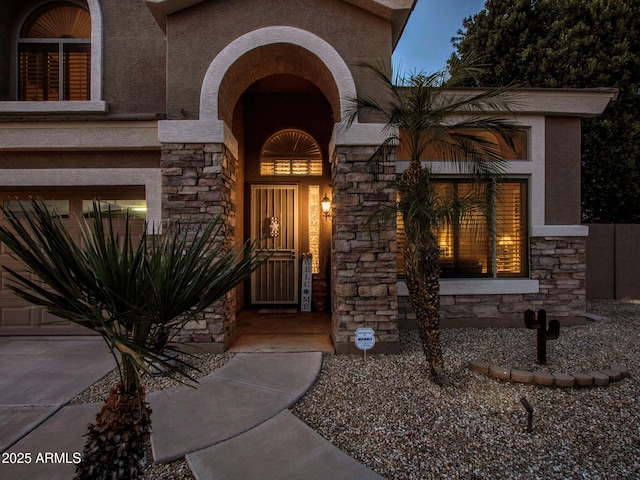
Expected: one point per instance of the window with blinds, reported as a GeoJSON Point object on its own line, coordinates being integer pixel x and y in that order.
{"type": "Point", "coordinates": [54, 54]}
{"type": "Point", "coordinates": [486, 240]}
{"type": "Point", "coordinates": [510, 242]}
{"type": "Point", "coordinates": [291, 152]}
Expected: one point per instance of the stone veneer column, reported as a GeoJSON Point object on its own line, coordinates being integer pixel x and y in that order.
{"type": "Point", "coordinates": [560, 265]}
{"type": "Point", "coordinates": [363, 262]}
{"type": "Point", "coordinates": [199, 182]}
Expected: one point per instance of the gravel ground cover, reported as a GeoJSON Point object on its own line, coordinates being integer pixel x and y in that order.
{"type": "Point", "coordinates": [387, 415]}
{"type": "Point", "coordinates": [203, 365]}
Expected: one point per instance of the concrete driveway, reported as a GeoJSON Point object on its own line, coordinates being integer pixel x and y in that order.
{"type": "Point", "coordinates": [39, 375]}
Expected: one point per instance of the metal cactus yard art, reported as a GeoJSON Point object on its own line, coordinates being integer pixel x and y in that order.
{"type": "Point", "coordinates": [544, 334]}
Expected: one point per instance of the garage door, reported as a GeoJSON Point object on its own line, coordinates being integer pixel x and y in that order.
{"type": "Point", "coordinates": [17, 317]}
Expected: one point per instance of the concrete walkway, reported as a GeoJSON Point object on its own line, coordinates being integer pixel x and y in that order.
{"type": "Point", "coordinates": [235, 425]}
{"type": "Point", "coordinates": [282, 448]}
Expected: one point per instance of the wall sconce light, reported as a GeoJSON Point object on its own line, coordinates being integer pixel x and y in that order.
{"type": "Point", "coordinates": [326, 206]}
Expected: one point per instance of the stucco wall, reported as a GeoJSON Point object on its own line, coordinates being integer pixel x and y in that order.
{"type": "Point", "coordinates": [217, 24]}
{"type": "Point", "coordinates": [562, 171]}
{"type": "Point", "coordinates": [134, 59]}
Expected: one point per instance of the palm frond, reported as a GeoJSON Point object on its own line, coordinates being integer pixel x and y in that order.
{"type": "Point", "coordinates": [132, 291]}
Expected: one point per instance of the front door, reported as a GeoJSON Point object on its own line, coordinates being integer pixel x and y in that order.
{"type": "Point", "coordinates": [274, 213]}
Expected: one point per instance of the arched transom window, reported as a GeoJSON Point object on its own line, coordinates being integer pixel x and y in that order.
{"type": "Point", "coordinates": [54, 54]}
{"type": "Point", "coordinates": [291, 152]}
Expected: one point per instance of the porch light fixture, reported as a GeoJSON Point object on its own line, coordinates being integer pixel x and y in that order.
{"type": "Point", "coordinates": [326, 206]}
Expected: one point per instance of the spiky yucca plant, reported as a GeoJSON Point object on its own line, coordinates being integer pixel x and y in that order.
{"type": "Point", "coordinates": [134, 293]}
{"type": "Point", "coordinates": [424, 111]}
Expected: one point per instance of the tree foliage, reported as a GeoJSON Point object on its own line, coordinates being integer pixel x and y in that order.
{"type": "Point", "coordinates": [422, 111]}
{"type": "Point", "coordinates": [573, 44]}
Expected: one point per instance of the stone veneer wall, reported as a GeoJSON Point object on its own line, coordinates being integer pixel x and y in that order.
{"type": "Point", "coordinates": [198, 182]}
{"type": "Point", "coordinates": [558, 263]}
{"type": "Point", "coordinates": [363, 262]}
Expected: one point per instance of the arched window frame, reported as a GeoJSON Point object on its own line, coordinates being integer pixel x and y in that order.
{"type": "Point", "coordinates": [95, 104]}
{"type": "Point", "coordinates": [291, 162]}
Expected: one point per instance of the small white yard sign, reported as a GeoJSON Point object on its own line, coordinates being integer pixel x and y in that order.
{"type": "Point", "coordinates": [365, 340]}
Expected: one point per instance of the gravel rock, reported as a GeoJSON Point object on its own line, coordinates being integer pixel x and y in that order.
{"type": "Point", "coordinates": [386, 414]}
{"type": "Point", "coordinates": [203, 365]}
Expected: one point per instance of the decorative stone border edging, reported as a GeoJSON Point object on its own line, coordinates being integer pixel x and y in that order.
{"type": "Point", "coordinates": [601, 378]}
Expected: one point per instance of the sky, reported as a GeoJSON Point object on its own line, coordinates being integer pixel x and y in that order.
{"type": "Point", "coordinates": [426, 41]}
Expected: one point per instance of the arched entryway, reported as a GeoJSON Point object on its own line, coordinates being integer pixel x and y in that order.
{"type": "Point", "coordinates": [283, 123]}
{"type": "Point", "coordinates": [267, 81]}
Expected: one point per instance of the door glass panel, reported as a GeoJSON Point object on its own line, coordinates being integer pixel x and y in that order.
{"type": "Point", "coordinates": [314, 227]}
{"type": "Point", "coordinates": [19, 207]}
{"type": "Point", "coordinates": [118, 208]}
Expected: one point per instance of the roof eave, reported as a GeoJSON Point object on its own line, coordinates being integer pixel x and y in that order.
{"type": "Point", "coordinates": [585, 103]}
{"type": "Point", "coordinates": [569, 102]}
{"type": "Point", "coordinates": [396, 11]}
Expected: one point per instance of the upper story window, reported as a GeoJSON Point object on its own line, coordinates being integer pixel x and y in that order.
{"type": "Point", "coordinates": [54, 54]}
{"type": "Point", "coordinates": [291, 152]}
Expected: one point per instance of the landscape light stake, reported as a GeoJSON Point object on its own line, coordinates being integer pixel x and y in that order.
{"type": "Point", "coordinates": [529, 409]}
{"type": "Point", "coordinates": [543, 334]}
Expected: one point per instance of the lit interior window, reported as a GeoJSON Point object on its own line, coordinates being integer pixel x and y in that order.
{"type": "Point", "coordinates": [54, 54]}
{"type": "Point", "coordinates": [291, 152]}
{"type": "Point", "coordinates": [483, 243]}
{"type": "Point", "coordinates": [510, 228]}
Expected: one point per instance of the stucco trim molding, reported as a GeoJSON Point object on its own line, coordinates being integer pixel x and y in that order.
{"type": "Point", "coordinates": [151, 178]}
{"type": "Point", "coordinates": [90, 106]}
{"type": "Point", "coordinates": [487, 286]}
{"type": "Point", "coordinates": [360, 134]}
{"type": "Point", "coordinates": [268, 36]}
{"type": "Point", "coordinates": [197, 131]}
{"type": "Point", "coordinates": [559, 231]}
{"type": "Point", "coordinates": [96, 49]}
{"type": "Point", "coordinates": [79, 136]}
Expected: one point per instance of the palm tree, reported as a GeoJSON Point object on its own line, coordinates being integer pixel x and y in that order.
{"type": "Point", "coordinates": [424, 111]}
{"type": "Point", "coordinates": [135, 294]}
